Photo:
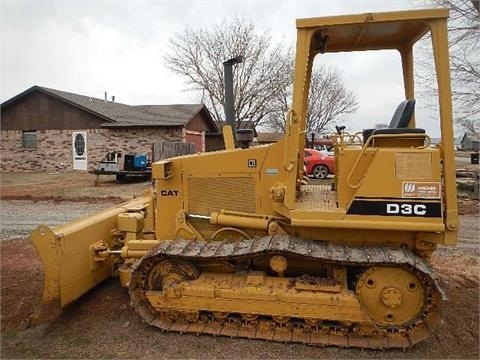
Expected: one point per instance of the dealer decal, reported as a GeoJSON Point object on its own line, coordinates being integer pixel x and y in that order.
{"type": "Point", "coordinates": [424, 190]}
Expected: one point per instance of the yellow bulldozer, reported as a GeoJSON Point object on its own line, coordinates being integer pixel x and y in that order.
{"type": "Point", "coordinates": [236, 243]}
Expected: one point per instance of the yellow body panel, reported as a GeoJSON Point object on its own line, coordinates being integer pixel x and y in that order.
{"type": "Point", "coordinates": [69, 252]}
{"type": "Point", "coordinates": [272, 296]}
{"type": "Point", "coordinates": [211, 182]}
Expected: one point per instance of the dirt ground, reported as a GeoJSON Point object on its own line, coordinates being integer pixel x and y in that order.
{"type": "Point", "coordinates": [102, 325]}
{"type": "Point", "coordinates": [67, 186]}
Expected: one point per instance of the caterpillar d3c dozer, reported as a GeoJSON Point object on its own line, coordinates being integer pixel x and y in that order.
{"type": "Point", "coordinates": [235, 243]}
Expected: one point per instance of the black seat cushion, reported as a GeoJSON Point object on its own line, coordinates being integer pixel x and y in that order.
{"type": "Point", "coordinates": [398, 131]}
{"type": "Point", "coordinates": [402, 115]}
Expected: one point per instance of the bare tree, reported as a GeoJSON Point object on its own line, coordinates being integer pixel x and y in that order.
{"type": "Point", "coordinates": [198, 55]}
{"type": "Point", "coordinates": [328, 99]}
{"type": "Point", "coordinates": [262, 83]}
{"type": "Point", "coordinates": [280, 106]}
{"type": "Point", "coordinates": [464, 33]}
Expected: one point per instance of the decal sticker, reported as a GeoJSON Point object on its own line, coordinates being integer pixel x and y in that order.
{"type": "Point", "coordinates": [395, 208]}
{"type": "Point", "coordinates": [271, 172]}
{"type": "Point", "coordinates": [252, 163]}
{"type": "Point", "coordinates": [424, 190]}
{"type": "Point", "coordinates": [173, 193]}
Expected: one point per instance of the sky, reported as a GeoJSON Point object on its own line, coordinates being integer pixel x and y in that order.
{"type": "Point", "coordinates": [89, 47]}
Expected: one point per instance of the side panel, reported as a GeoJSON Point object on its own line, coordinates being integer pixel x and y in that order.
{"type": "Point", "coordinates": [233, 180]}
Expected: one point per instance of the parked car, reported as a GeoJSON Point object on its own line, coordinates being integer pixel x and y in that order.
{"type": "Point", "coordinates": [319, 164]}
{"type": "Point", "coordinates": [324, 149]}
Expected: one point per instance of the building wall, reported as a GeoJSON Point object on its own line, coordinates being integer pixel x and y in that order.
{"type": "Point", "coordinates": [468, 144]}
{"type": "Point", "coordinates": [214, 142]}
{"type": "Point", "coordinates": [197, 138]}
{"type": "Point", "coordinates": [54, 147]}
{"type": "Point", "coordinates": [199, 123]}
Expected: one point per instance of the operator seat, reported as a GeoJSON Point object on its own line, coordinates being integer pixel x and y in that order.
{"type": "Point", "coordinates": [402, 115]}
{"type": "Point", "coordinates": [398, 123]}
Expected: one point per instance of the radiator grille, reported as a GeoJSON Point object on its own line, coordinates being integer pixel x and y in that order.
{"type": "Point", "coordinates": [215, 193]}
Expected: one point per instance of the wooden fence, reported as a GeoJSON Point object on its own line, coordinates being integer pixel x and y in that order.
{"type": "Point", "coordinates": [165, 150]}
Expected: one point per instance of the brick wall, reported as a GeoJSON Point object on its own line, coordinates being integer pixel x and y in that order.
{"type": "Point", "coordinates": [197, 138]}
{"type": "Point", "coordinates": [54, 147]}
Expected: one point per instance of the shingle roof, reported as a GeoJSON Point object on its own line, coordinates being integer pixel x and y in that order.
{"type": "Point", "coordinates": [159, 115]}
{"type": "Point", "coordinates": [473, 136]}
{"type": "Point", "coordinates": [269, 136]}
{"type": "Point", "coordinates": [117, 114]}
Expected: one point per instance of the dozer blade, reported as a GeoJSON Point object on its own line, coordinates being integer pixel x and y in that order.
{"type": "Point", "coordinates": [68, 254]}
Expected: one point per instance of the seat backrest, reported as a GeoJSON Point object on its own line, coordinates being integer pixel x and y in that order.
{"type": "Point", "coordinates": [402, 115]}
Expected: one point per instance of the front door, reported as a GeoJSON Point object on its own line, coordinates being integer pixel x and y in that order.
{"type": "Point", "coordinates": [79, 144]}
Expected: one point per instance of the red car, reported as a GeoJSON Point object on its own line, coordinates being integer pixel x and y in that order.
{"type": "Point", "coordinates": [319, 164]}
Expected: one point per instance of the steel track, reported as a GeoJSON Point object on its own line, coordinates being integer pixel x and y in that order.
{"type": "Point", "coordinates": [267, 329]}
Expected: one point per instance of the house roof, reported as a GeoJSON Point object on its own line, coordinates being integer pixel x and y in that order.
{"type": "Point", "coordinates": [473, 137]}
{"type": "Point", "coordinates": [118, 115]}
{"type": "Point", "coordinates": [269, 136]}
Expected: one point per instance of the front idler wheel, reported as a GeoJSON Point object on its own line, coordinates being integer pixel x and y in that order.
{"type": "Point", "coordinates": [392, 296]}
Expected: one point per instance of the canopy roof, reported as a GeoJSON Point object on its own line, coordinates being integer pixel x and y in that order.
{"type": "Point", "coordinates": [386, 30]}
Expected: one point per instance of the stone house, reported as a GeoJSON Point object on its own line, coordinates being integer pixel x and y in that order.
{"type": "Point", "coordinates": [43, 129]}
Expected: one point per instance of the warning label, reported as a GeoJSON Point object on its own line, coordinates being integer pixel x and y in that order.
{"type": "Point", "coordinates": [428, 190]}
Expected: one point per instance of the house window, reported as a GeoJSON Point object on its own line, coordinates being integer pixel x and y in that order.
{"type": "Point", "coordinates": [29, 138]}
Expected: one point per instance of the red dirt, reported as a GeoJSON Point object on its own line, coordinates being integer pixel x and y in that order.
{"type": "Point", "coordinates": [67, 186]}
{"type": "Point", "coordinates": [21, 279]}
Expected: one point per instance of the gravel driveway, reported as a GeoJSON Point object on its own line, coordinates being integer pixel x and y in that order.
{"type": "Point", "coordinates": [19, 217]}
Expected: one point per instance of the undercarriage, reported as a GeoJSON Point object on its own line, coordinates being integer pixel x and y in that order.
{"type": "Point", "coordinates": [281, 288]}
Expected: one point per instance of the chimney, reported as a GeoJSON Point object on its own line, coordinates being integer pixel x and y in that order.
{"type": "Point", "coordinates": [113, 98]}
{"type": "Point", "coordinates": [106, 96]}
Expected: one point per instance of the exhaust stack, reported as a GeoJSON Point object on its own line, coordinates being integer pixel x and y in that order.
{"type": "Point", "coordinates": [228, 83]}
